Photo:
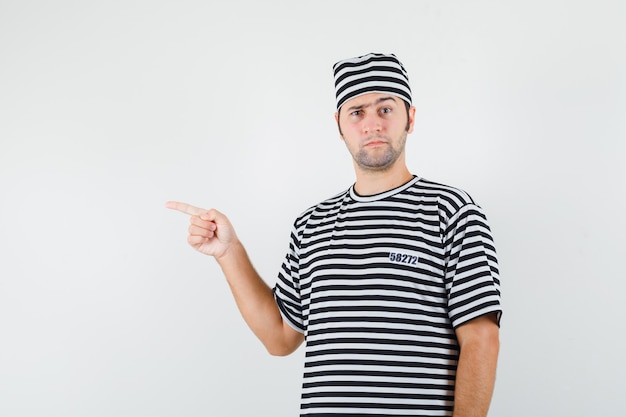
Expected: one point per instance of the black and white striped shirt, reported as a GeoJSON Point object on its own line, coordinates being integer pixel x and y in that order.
{"type": "Point", "coordinates": [378, 284]}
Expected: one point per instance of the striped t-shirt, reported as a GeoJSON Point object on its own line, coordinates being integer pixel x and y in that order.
{"type": "Point", "coordinates": [378, 284]}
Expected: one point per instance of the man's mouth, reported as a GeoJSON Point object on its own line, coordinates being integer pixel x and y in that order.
{"type": "Point", "coordinates": [375, 142]}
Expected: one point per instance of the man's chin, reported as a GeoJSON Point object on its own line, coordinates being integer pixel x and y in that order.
{"type": "Point", "coordinates": [380, 162]}
{"type": "Point", "coordinates": [374, 166]}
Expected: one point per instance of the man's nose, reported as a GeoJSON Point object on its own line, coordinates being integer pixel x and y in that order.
{"type": "Point", "coordinates": [372, 123]}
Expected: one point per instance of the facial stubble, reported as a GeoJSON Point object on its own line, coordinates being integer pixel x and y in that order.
{"type": "Point", "coordinates": [380, 159]}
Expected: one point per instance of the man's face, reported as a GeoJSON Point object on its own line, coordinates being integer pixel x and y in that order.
{"type": "Point", "coordinates": [374, 128]}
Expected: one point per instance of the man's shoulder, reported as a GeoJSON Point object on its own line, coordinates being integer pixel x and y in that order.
{"type": "Point", "coordinates": [322, 207]}
{"type": "Point", "coordinates": [446, 194]}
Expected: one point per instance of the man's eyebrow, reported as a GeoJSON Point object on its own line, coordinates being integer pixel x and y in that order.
{"type": "Point", "coordinates": [380, 100]}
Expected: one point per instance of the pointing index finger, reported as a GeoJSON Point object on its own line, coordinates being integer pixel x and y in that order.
{"type": "Point", "coordinates": [185, 208]}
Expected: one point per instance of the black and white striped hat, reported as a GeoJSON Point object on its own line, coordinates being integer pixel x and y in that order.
{"type": "Point", "coordinates": [371, 73]}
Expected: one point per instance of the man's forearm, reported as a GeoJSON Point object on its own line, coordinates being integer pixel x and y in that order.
{"type": "Point", "coordinates": [256, 303]}
{"type": "Point", "coordinates": [476, 374]}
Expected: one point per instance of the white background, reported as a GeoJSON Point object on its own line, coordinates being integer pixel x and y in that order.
{"type": "Point", "coordinates": [108, 109]}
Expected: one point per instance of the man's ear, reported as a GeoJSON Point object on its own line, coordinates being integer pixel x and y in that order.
{"type": "Point", "coordinates": [411, 121]}
{"type": "Point", "coordinates": [338, 125]}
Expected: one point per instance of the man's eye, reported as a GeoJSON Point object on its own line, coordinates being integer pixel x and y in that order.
{"type": "Point", "coordinates": [385, 110]}
{"type": "Point", "coordinates": [356, 113]}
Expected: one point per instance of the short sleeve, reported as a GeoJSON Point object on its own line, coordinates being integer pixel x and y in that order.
{"type": "Point", "coordinates": [472, 277]}
{"type": "Point", "coordinates": [287, 288]}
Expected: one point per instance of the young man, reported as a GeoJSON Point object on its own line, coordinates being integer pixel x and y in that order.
{"type": "Point", "coordinates": [393, 283]}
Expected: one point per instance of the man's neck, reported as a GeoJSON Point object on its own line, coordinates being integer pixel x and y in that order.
{"type": "Point", "coordinates": [376, 182]}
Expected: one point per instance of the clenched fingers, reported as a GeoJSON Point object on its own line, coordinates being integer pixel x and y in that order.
{"type": "Point", "coordinates": [199, 227]}
{"type": "Point", "coordinates": [195, 240]}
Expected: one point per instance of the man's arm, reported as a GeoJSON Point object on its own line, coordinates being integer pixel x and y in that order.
{"type": "Point", "coordinates": [211, 233]}
{"type": "Point", "coordinates": [476, 373]}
